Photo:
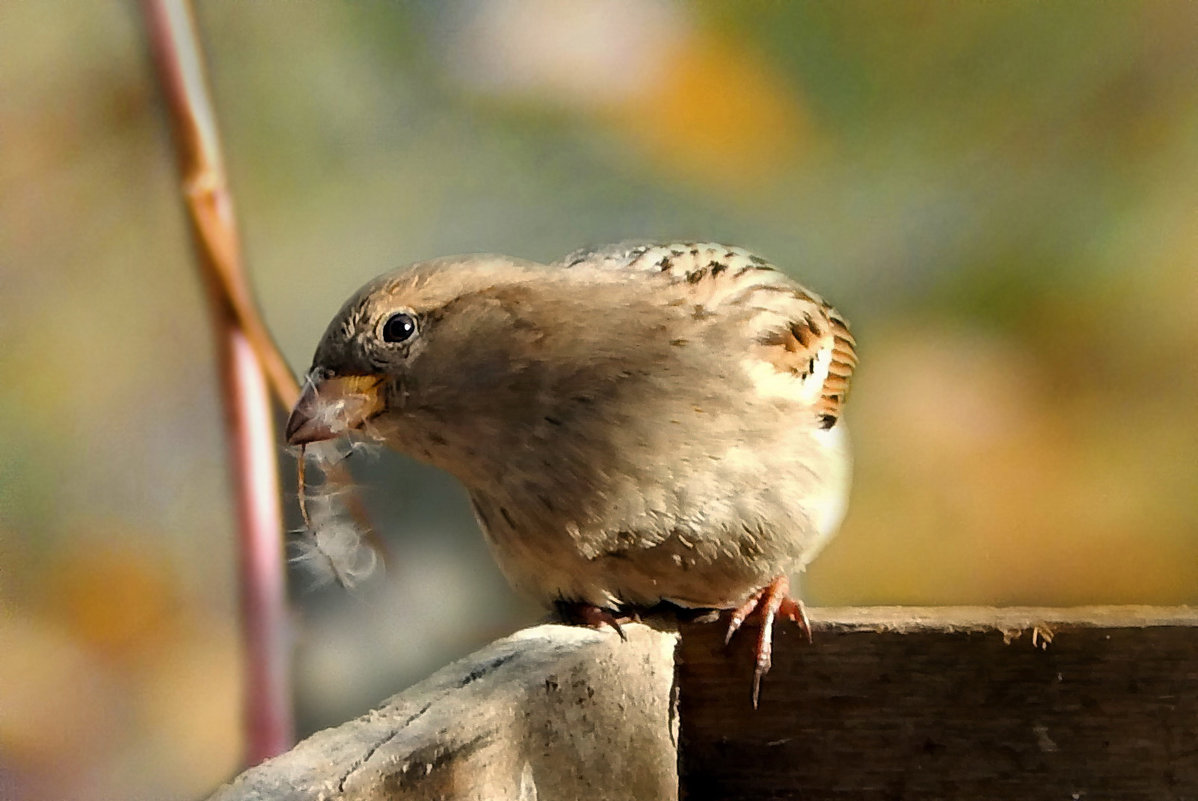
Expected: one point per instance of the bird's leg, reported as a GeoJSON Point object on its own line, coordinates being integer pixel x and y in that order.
{"type": "Point", "coordinates": [792, 609]}
{"type": "Point", "coordinates": [770, 601]}
{"type": "Point", "coordinates": [596, 617]}
{"type": "Point", "coordinates": [740, 613]}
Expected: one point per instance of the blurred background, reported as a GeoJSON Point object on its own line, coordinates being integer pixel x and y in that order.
{"type": "Point", "coordinates": [1000, 197]}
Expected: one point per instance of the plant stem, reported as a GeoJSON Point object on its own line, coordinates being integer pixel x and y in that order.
{"type": "Point", "coordinates": [248, 360]}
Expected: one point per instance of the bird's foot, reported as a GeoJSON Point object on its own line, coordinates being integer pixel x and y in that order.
{"type": "Point", "coordinates": [583, 614]}
{"type": "Point", "coordinates": [770, 601]}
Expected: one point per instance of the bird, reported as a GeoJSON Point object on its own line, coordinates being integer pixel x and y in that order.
{"type": "Point", "coordinates": [635, 425]}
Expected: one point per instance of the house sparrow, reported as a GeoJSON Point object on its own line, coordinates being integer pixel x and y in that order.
{"type": "Point", "coordinates": [635, 424]}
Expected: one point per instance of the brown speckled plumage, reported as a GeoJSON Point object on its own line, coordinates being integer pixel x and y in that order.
{"type": "Point", "coordinates": [634, 424]}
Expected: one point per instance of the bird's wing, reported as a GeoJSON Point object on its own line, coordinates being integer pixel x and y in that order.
{"type": "Point", "coordinates": [802, 348]}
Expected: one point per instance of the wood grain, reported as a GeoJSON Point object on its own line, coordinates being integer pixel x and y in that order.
{"type": "Point", "coordinates": [552, 712]}
{"type": "Point", "coordinates": [886, 703]}
{"type": "Point", "coordinates": [1098, 702]}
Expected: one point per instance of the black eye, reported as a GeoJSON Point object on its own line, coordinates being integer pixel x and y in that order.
{"type": "Point", "coordinates": [399, 327]}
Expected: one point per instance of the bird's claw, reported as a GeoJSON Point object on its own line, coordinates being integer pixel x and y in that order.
{"type": "Point", "coordinates": [596, 617]}
{"type": "Point", "coordinates": [769, 602]}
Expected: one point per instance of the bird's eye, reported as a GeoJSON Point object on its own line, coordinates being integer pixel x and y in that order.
{"type": "Point", "coordinates": [399, 327]}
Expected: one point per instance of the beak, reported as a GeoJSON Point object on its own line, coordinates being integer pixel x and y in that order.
{"type": "Point", "coordinates": [330, 407]}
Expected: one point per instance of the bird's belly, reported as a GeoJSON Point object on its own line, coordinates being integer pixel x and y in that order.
{"type": "Point", "coordinates": [700, 537]}
{"type": "Point", "coordinates": [644, 568]}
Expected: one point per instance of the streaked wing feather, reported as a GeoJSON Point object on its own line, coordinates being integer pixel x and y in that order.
{"type": "Point", "coordinates": [798, 334]}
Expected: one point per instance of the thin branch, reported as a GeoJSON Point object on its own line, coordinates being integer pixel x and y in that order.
{"type": "Point", "coordinates": [206, 191]}
{"type": "Point", "coordinates": [246, 353]}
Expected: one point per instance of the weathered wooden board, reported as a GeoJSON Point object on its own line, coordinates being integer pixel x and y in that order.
{"type": "Point", "coordinates": [961, 703]}
{"type": "Point", "coordinates": [886, 703]}
{"type": "Point", "coordinates": [550, 712]}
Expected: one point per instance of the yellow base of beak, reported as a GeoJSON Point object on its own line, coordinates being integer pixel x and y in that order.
{"type": "Point", "coordinates": [329, 408]}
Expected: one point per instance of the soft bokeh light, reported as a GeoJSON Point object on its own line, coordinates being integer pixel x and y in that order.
{"type": "Point", "coordinates": [998, 196]}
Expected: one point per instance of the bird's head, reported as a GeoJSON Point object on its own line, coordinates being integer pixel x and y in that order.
{"type": "Point", "coordinates": [411, 341]}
